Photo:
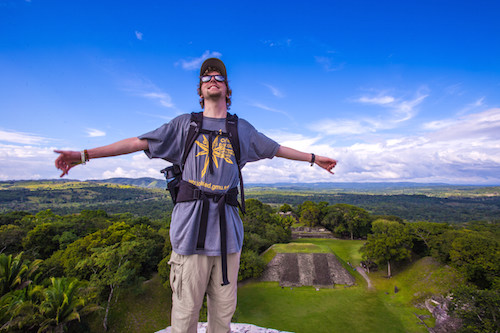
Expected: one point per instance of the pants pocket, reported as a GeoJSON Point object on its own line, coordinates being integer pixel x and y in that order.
{"type": "Point", "coordinates": [176, 268]}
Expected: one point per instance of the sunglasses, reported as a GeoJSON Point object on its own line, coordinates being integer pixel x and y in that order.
{"type": "Point", "coordinates": [207, 78]}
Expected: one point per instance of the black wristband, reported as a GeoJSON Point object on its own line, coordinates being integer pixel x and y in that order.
{"type": "Point", "coordinates": [313, 158]}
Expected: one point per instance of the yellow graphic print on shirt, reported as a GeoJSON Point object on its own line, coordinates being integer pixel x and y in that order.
{"type": "Point", "coordinates": [221, 148]}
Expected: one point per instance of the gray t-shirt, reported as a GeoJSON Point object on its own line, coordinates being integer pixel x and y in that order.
{"type": "Point", "coordinates": [168, 142]}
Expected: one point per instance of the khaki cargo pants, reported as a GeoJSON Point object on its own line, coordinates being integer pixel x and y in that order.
{"type": "Point", "coordinates": [190, 278]}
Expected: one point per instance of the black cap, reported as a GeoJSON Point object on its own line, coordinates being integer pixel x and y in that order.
{"type": "Point", "coordinates": [213, 62]}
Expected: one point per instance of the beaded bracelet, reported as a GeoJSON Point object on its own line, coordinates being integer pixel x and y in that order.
{"type": "Point", "coordinates": [84, 154]}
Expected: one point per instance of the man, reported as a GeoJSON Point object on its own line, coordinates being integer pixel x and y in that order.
{"type": "Point", "coordinates": [202, 261]}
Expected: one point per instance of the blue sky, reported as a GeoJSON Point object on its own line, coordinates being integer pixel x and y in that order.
{"type": "Point", "coordinates": [395, 90]}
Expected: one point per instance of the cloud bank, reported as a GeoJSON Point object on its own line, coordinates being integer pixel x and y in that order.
{"type": "Point", "coordinates": [463, 150]}
{"type": "Point", "coordinates": [195, 63]}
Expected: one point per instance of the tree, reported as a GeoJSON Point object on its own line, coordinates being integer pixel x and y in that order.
{"type": "Point", "coordinates": [479, 310]}
{"type": "Point", "coordinates": [310, 213]}
{"type": "Point", "coordinates": [13, 217]}
{"type": "Point", "coordinates": [40, 240]}
{"type": "Point", "coordinates": [10, 238]}
{"type": "Point", "coordinates": [263, 227]}
{"type": "Point", "coordinates": [478, 257]}
{"type": "Point", "coordinates": [112, 267]}
{"type": "Point", "coordinates": [15, 273]}
{"type": "Point", "coordinates": [251, 265]}
{"type": "Point", "coordinates": [347, 219]}
{"type": "Point", "coordinates": [46, 309]}
{"type": "Point", "coordinates": [425, 232]}
{"type": "Point", "coordinates": [440, 245]}
{"type": "Point", "coordinates": [390, 241]}
{"type": "Point", "coordinates": [17, 305]}
{"type": "Point", "coordinates": [20, 309]}
{"type": "Point", "coordinates": [146, 255]}
{"type": "Point", "coordinates": [62, 304]}
{"type": "Point", "coordinates": [286, 208]}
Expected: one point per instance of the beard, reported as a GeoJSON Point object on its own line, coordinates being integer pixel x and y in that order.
{"type": "Point", "coordinates": [214, 95]}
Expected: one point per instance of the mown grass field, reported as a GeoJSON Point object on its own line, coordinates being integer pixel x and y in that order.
{"type": "Point", "coordinates": [304, 309]}
{"type": "Point", "coordinates": [341, 309]}
{"type": "Point", "coordinates": [328, 310]}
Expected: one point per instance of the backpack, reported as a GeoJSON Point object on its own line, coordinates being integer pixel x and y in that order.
{"type": "Point", "coordinates": [173, 174]}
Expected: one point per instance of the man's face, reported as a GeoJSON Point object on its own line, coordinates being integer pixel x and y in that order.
{"type": "Point", "coordinates": [213, 89]}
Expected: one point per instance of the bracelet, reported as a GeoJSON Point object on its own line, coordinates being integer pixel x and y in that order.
{"type": "Point", "coordinates": [84, 154]}
{"type": "Point", "coordinates": [313, 158]}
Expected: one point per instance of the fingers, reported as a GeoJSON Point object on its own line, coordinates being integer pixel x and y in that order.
{"type": "Point", "coordinates": [326, 163]}
{"type": "Point", "coordinates": [64, 161]}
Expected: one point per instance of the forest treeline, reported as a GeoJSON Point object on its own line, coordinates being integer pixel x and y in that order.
{"type": "Point", "coordinates": [55, 268]}
{"type": "Point", "coordinates": [472, 248]}
{"type": "Point", "coordinates": [451, 205]}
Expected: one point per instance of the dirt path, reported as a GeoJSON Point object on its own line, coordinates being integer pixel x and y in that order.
{"type": "Point", "coordinates": [362, 271]}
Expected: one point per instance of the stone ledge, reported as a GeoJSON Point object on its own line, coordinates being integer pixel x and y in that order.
{"type": "Point", "coordinates": [235, 328]}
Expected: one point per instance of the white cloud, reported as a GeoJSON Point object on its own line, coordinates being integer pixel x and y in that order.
{"type": "Point", "coordinates": [466, 150]}
{"type": "Point", "coordinates": [138, 35]}
{"type": "Point", "coordinates": [278, 43]}
{"type": "Point", "coordinates": [454, 89]}
{"type": "Point", "coordinates": [407, 109]}
{"type": "Point", "coordinates": [483, 126]}
{"type": "Point", "coordinates": [21, 138]}
{"type": "Point", "coordinates": [132, 166]}
{"type": "Point", "coordinates": [195, 63]}
{"type": "Point", "coordinates": [26, 162]}
{"type": "Point", "coordinates": [380, 100]}
{"type": "Point", "coordinates": [329, 64]}
{"type": "Point", "coordinates": [275, 91]}
{"type": "Point", "coordinates": [159, 116]}
{"type": "Point", "coordinates": [472, 106]}
{"type": "Point", "coordinates": [399, 111]}
{"type": "Point", "coordinates": [161, 97]}
{"type": "Point", "coordinates": [267, 108]}
{"type": "Point", "coordinates": [92, 132]}
{"type": "Point", "coordinates": [342, 126]}
{"type": "Point", "coordinates": [462, 150]}
{"type": "Point", "coordinates": [294, 140]}
{"type": "Point", "coordinates": [145, 88]}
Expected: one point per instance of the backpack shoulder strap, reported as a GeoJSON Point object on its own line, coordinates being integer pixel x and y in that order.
{"type": "Point", "coordinates": [232, 132]}
{"type": "Point", "coordinates": [195, 126]}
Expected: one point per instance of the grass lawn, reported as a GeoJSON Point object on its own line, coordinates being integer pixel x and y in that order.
{"type": "Point", "coordinates": [304, 310]}
{"type": "Point", "coordinates": [302, 247]}
{"type": "Point", "coordinates": [346, 250]}
{"type": "Point", "coordinates": [341, 309]}
{"type": "Point", "coordinates": [417, 281]}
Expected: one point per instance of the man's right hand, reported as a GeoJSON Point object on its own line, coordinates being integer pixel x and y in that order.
{"type": "Point", "coordinates": [67, 159]}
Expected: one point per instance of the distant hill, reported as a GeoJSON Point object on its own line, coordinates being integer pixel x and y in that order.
{"type": "Point", "coordinates": [374, 187]}
{"type": "Point", "coordinates": [146, 182]}
{"type": "Point", "coordinates": [147, 197]}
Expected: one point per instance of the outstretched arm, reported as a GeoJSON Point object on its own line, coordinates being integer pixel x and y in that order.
{"type": "Point", "coordinates": [69, 158]}
{"type": "Point", "coordinates": [292, 154]}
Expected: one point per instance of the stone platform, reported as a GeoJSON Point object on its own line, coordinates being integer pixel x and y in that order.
{"type": "Point", "coordinates": [235, 328]}
{"type": "Point", "coordinates": [322, 270]}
